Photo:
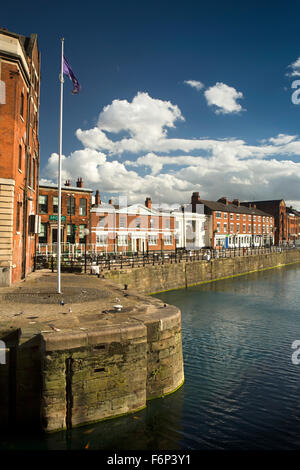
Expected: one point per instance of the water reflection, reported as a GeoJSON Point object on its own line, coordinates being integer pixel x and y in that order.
{"type": "Point", "coordinates": [241, 389]}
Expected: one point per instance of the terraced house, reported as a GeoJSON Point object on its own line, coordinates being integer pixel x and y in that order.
{"type": "Point", "coordinates": [130, 229]}
{"type": "Point", "coordinates": [19, 154]}
{"type": "Point", "coordinates": [75, 216]}
{"type": "Point", "coordinates": [234, 225]}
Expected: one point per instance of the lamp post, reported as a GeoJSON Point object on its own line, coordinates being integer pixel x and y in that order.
{"type": "Point", "coordinates": [86, 233]}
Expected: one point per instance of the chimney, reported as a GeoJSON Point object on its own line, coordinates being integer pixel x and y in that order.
{"type": "Point", "coordinates": [236, 202]}
{"type": "Point", "coordinates": [110, 201]}
{"type": "Point", "coordinates": [97, 198]}
{"type": "Point", "coordinates": [79, 183]}
{"type": "Point", "coordinates": [195, 198]}
{"type": "Point", "coordinates": [250, 205]}
{"type": "Point", "coordinates": [224, 200]}
{"type": "Point", "coordinates": [148, 202]}
{"type": "Point", "coordinates": [67, 183]}
{"type": "Point", "coordinates": [254, 205]}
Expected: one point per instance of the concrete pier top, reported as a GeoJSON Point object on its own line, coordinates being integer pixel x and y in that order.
{"type": "Point", "coordinates": [86, 304]}
{"type": "Point", "coordinates": [73, 358]}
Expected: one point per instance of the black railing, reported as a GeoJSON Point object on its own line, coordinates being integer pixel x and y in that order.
{"type": "Point", "coordinates": [96, 263]}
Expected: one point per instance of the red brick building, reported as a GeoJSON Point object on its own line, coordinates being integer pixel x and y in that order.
{"type": "Point", "coordinates": [277, 209]}
{"type": "Point", "coordinates": [135, 228]}
{"type": "Point", "coordinates": [293, 224]}
{"type": "Point", "coordinates": [19, 153]}
{"type": "Point", "coordinates": [75, 214]}
{"type": "Point", "coordinates": [233, 225]}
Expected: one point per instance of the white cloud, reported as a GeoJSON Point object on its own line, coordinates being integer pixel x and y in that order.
{"type": "Point", "coordinates": [295, 66]}
{"type": "Point", "coordinates": [194, 84]}
{"type": "Point", "coordinates": [224, 98]}
{"type": "Point", "coordinates": [218, 167]}
{"type": "Point", "coordinates": [282, 139]}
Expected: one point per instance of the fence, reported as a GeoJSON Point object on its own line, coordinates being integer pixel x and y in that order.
{"type": "Point", "coordinates": [106, 261]}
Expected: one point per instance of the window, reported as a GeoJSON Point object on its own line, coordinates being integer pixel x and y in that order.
{"type": "Point", "coordinates": [122, 240]}
{"type": "Point", "coordinates": [43, 204]}
{"type": "Point", "coordinates": [71, 205]}
{"type": "Point", "coordinates": [249, 228]}
{"type": "Point", "coordinates": [264, 229]}
{"type": "Point", "coordinates": [168, 240]}
{"type": "Point", "coordinates": [123, 223]}
{"type": "Point", "coordinates": [18, 216]}
{"type": "Point", "coordinates": [43, 233]}
{"type": "Point", "coordinates": [225, 215]}
{"type": "Point", "coordinates": [254, 218]}
{"type": "Point", "coordinates": [254, 228]}
{"type": "Point", "coordinates": [167, 223]}
{"type": "Point", "coordinates": [258, 218]}
{"type": "Point", "coordinates": [258, 228]}
{"type": "Point", "coordinates": [82, 234]}
{"type": "Point", "coordinates": [231, 228]}
{"type": "Point", "coordinates": [267, 219]}
{"type": "Point", "coordinates": [263, 219]}
{"type": "Point", "coordinates": [138, 222]}
{"type": "Point", "coordinates": [218, 227]}
{"type": "Point", "coordinates": [82, 206]}
{"type": "Point", "coordinates": [29, 170]}
{"type": "Point", "coordinates": [237, 227]}
{"type": "Point", "coordinates": [22, 105]}
{"type": "Point", "coordinates": [55, 204]}
{"type": "Point", "coordinates": [244, 228]}
{"type": "Point", "coordinates": [71, 233]}
{"type": "Point", "coordinates": [225, 227]}
{"type": "Point", "coordinates": [237, 216]}
{"type": "Point", "coordinates": [33, 174]}
{"type": "Point", "coordinates": [20, 157]}
{"type": "Point", "coordinates": [231, 216]}
{"type": "Point", "coordinates": [102, 221]}
{"type": "Point", "coordinates": [101, 240]}
{"type": "Point", "coordinates": [218, 215]}
{"type": "Point", "coordinates": [244, 216]}
{"type": "Point", "coordinates": [152, 224]}
{"type": "Point", "coordinates": [152, 240]}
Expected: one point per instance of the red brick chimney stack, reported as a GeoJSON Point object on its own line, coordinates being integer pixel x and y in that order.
{"type": "Point", "coordinates": [224, 200]}
{"type": "Point", "coordinates": [67, 183]}
{"type": "Point", "coordinates": [79, 183]}
{"type": "Point", "coordinates": [148, 202]}
{"type": "Point", "coordinates": [97, 198]}
{"type": "Point", "coordinates": [236, 202]}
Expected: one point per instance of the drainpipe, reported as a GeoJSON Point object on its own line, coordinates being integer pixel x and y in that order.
{"type": "Point", "coordinates": [25, 211]}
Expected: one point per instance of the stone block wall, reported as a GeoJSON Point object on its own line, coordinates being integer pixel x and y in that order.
{"type": "Point", "coordinates": [159, 278]}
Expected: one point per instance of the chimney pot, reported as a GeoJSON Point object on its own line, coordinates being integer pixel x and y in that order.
{"type": "Point", "coordinates": [67, 183]}
{"type": "Point", "coordinates": [97, 198]}
{"type": "Point", "coordinates": [148, 202]}
{"type": "Point", "coordinates": [79, 183]}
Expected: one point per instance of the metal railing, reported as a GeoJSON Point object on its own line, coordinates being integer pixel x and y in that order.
{"type": "Point", "coordinates": [98, 262]}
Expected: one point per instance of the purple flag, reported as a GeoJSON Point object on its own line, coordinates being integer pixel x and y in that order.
{"type": "Point", "coordinates": [69, 72]}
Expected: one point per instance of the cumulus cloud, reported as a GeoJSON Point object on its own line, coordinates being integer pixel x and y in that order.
{"type": "Point", "coordinates": [295, 69]}
{"type": "Point", "coordinates": [161, 167]}
{"type": "Point", "coordinates": [194, 84]}
{"type": "Point", "coordinates": [224, 98]}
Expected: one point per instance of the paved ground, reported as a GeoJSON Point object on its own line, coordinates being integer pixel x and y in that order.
{"type": "Point", "coordinates": [34, 305]}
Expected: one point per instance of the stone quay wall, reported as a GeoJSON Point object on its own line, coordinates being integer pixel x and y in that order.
{"type": "Point", "coordinates": [159, 278]}
{"type": "Point", "coordinates": [61, 380]}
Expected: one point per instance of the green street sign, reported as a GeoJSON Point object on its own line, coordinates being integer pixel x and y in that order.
{"type": "Point", "coordinates": [55, 217]}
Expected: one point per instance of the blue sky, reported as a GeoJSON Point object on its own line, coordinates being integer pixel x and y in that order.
{"type": "Point", "coordinates": [145, 128]}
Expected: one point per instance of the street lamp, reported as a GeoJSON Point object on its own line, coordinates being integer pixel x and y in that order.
{"type": "Point", "coordinates": [86, 233]}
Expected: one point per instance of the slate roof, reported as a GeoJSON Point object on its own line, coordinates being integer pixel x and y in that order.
{"type": "Point", "coordinates": [232, 208]}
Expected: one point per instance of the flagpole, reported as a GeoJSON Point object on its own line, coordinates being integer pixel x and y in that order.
{"type": "Point", "coordinates": [59, 169]}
